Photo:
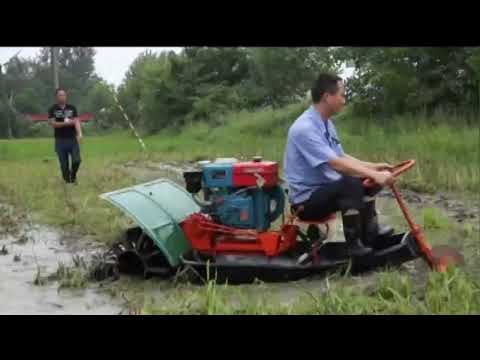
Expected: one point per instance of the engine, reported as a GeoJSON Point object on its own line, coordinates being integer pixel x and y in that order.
{"type": "Point", "coordinates": [242, 195]}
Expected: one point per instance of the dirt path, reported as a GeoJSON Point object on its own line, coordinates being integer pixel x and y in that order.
{"type": "Point", "coordinates": [460, 211]}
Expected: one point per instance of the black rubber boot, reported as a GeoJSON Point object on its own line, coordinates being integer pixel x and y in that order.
{"type": "Point", "coordinates": [352, 229]}
{"type": "Point", "coordinates": [66, 174]}
{"type": "Point", "coordinates": [75, 167]}
{"type": "Point", "coordinates": [371, 228]}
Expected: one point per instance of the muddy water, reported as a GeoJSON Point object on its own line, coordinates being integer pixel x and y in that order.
{"type": "Point", "coordinates": [43, 251]}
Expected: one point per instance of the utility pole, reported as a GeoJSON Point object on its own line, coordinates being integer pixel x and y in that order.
{"type": "Point", "coordinates": [4, 100]}
{"type": "Point", "coordinates": [54, 61]}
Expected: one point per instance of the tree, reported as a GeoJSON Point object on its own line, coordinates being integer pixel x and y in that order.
{"type": "Point", "coordinates": [474, 63]}
{"type": "Point", "coordinates": [285, 74]}
{"type": "Point", "coordinates": [132, 90]}
{"type": "Point", "coordinates": [100, 101]}
{"type": "Point", "coordinates": [398, 80]}
{"type": "Point", "coordinates": [169, 90]}
{"type": "Point", "coordinates": [76, 70]}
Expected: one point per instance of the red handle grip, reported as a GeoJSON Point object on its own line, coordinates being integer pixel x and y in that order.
{"type": "Point", "coordinates": [398, 169]}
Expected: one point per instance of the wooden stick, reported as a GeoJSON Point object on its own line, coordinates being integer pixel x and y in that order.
{"type": "Point", "coordinates": [129, 122]}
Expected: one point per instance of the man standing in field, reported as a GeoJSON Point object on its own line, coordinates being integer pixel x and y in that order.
{"type": "Point", "coordinates": [64, 119]}
{"type": "Point", "coordinates": [323, 179]}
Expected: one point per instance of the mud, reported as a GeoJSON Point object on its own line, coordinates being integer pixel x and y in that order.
{"type": "Point", "coordinates": [38, 257]}
{"type": "Point", "coordinates": [457, 210]}
{"type": "Point", "coordinates": [149, 171]}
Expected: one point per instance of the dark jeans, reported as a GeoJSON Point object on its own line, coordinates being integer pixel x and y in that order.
{"type": "Point", "coordinates": [345, 194]}
{"type": "Point", "coordinates": [66, 148]}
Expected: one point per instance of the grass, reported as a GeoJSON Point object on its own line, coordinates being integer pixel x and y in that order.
{"type": "Point", "coordinates": [75, 277]}
{"type": "Point", "coordinates": [434, 219]}
{"type": "Point", "coordinates": [40, 279]}
{"type": "Point", "coordinates": [447, 160]}
{"type": "Point", "coordinates": [3, 250]}
{"type": "Point", "coordinates": [453, 292]}
{"type": "Point", "coordinates": [391, 291]}
{"type": "Point", "coordinates": [33, 184]}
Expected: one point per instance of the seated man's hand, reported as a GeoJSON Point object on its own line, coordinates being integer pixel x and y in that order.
{"type": "Point", "coordinates": [383, 167]}
{"type": "Point", "coordinates": [383, 178]}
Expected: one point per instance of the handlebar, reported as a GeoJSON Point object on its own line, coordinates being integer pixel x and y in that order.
{"type": "Point", "coordinates": [398, 169]}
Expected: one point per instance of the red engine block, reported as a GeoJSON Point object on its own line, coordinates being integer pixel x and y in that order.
{"type": "Point", "coordinates": [210, 238]}
{"type": "Point", "coordinates": [246, 173]}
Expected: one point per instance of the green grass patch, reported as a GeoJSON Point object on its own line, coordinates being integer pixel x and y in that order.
{"type": "Point", "coordinates": [434, 219]}
{"type": "Point", "coordinates": [74, 277]}
{"type": "Point", "coordinates": [453, 292]}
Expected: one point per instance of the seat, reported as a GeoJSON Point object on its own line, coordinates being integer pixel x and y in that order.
{"type": "Point", "coordinates": [294, 218]}
{"type": "Point", "coordinates": [324, 220]}
{"type": "Point", "coordinates": [313, 231]}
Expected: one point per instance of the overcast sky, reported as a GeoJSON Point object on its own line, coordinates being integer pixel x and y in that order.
{"type": "Point", "coordinates": [111, 63]}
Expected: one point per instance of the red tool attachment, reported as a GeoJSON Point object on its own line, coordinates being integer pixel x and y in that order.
{"type": "Point", "coordinates": [438, 258]}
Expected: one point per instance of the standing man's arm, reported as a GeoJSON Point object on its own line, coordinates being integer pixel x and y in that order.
{"type": "Point", "coordinates": [77, 123]}
{"type": "Point", "coordinates": [78, 128]}
{"type": "Point", "coordinates": [56, 124]}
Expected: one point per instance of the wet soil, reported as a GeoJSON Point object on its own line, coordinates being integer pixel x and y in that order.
{"type": "Point", "coordinates": [31, 254]}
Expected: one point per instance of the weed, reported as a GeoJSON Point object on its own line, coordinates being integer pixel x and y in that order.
{"type": "Point", "coordinates": [434, 219]}
{"type": "Point", "coordinates": [39, 279]}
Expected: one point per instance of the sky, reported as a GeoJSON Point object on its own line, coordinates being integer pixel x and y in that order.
{"type": "Point", "coordinates": [111, 63]}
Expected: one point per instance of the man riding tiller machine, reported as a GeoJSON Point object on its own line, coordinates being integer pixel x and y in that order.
{"type": "Point", "coordinates": [230, 230]}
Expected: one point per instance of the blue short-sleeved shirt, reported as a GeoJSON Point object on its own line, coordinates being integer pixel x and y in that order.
{"type": "Point", "coordinates": [311, 143]}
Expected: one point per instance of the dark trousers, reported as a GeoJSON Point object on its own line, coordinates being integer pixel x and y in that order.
{"type": "Point", "coordinates": [345, 194]}
{"type": "Point", "coordinates": [67, 149]}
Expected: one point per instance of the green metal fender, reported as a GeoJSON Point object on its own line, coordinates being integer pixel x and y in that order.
{"type": "Point", "coordinates": [158, 207]}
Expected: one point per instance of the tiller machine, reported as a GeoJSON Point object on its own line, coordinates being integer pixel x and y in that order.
{"type": "Point", "coordinates": [238, 229]}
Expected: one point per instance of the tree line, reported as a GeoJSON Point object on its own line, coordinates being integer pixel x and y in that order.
{"type": "Point", "coordinates": [168, 90]}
